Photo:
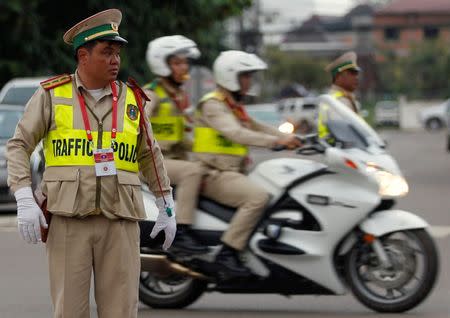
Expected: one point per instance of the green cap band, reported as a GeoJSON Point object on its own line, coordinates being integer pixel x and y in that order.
{"type": "Point", "coordinates": [344, 66]}
{"type": "Point", "coordinates": [95, 33]}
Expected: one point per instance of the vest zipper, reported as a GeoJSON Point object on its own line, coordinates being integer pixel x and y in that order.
{"type": "Point", "coordinates": [98, 180]}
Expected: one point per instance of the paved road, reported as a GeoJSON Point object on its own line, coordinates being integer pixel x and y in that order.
{"type": "Point", "coordinates": [23, 275]}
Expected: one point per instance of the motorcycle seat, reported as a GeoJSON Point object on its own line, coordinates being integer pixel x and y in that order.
{"type": "Point", "coordinates": [221, 211]}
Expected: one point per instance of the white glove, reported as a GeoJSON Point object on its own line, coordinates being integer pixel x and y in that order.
{"type": "Point", "coordinates": [165, 220]}
{"type": "Point", "coordinates": [29, 216]}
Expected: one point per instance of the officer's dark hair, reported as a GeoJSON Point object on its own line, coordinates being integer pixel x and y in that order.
{"type": "Point", "coordinates": [88, 46]}
{"type": "Point", "coordinates": [333, 78]}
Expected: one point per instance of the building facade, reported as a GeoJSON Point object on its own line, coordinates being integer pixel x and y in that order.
{"type": "Point", "coordinates": [403, 24]}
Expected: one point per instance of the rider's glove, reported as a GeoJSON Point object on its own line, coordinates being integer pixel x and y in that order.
{"type": "Point", "coordinates": [165, 220]}
{"type": "Point", "coordinates": [29, 216]}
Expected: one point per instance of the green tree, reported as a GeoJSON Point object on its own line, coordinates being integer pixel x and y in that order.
{"type": "Point", "coordinates": [424, 73]}
{"type": "Point", "coordinates": [32, 31]}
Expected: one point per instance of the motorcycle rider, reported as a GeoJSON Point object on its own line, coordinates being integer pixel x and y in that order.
{"type": "Point", "coordinates": [223, 130]}
{"type": "Point", "coordinates": [171, 117]}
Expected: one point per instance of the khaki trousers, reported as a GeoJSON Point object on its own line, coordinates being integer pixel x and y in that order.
{"type": "Point", "coordinates": [237, 190]}
{"type": "Point", "coordinates": [187, 176]}
{"type": "Point", "coordinates": [107, 248]}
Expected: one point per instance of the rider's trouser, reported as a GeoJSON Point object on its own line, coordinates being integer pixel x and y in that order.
{"type": "Point", "coordinates": [237, 190]}
{"type": "Point", "coordinates": [95, 244]}
{"type": "Point", "coordinates": [187, 176]}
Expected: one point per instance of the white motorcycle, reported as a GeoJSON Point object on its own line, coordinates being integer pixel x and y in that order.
{"type": "Point", "coordinates": [329, 228]}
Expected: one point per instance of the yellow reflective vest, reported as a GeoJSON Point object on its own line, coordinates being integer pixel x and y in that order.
{"type": "Point", "coordinates": [209, 140]}
{"type": "Point", "coordinates": [322, 119]}
{"type": "Point", "coordinates": [166, 126]}
{"type": "Point", "coordinates": [66, 146]}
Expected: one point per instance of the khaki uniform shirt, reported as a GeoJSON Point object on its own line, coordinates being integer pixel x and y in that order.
{"type": "Point", "coordinates": [74, 190]}
{"type": "Point", "coordinates": [347, 99]}
{"type": "Point", "coordinates": [170, 149]}
{"type": "Point", "coordinates": [218, 115]}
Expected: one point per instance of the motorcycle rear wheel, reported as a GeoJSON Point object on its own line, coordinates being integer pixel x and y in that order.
{"type": "Point", "coordinates": [173, 292]}
{"type": "Point", "coordinates": [415, 268]}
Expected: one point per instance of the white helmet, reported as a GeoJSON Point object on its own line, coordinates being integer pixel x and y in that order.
{"type": "Point", "coordinates": [229, 64]}
{"type": "Point", "coordinates": [161, 48]}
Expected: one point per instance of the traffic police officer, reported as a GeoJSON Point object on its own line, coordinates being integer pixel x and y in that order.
{"type": "Point", "coordinates": [223, 131]}
{"type": "Point", "coordinates": [171, 118]}
{"type": "Point", "coordinates": [94, 146]}
{"type": "Point", "coordinates": [345, 76]}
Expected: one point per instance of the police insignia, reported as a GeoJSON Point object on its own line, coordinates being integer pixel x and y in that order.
{"type": "Point", "coordinates": [132, 111]}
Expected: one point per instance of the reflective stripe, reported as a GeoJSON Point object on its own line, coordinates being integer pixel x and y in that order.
{"type": "Point", "coordinates": [63, 116]}
{"type": "Point", "coordinates": [66, 146]}
{"type": "Point", "coordinates": [322, 128]}
{"type": "Point", "coordinates": [338, 94]}
{"type": "Point", "coordinates": [64, 90]}
{"type": "Point", "coordinates": [353, 105]}
{"type": "Point", "coordinates": [165, 107]}
{"type": "Point", "coordinates": [209, 140]}
{"type": "Point", "coordinates": [165, 126]}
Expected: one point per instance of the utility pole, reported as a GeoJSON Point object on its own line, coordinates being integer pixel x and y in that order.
{"type": "Point", "coordinates": [250, 37]}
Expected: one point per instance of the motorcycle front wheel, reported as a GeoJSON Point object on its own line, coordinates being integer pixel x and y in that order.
{"type": "Point", "coordinates": [406, 284]}
{"type": "Point", "coordinates": [172, 292]}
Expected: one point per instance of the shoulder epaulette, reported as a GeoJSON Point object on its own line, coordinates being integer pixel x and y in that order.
{"type": "Point", "coordinates": [56, 81]}
{"type": "Point", "coordinates": [136, 88]}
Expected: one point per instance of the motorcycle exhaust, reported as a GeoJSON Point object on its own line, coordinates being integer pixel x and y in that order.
{"type": "Point", "coordinates": [160, 265]}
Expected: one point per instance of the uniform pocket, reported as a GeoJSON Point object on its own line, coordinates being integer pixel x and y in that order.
{"type": "Point", "coordinates": [130, 203]}
{"type": "Point", "coordinates": [62, 185]}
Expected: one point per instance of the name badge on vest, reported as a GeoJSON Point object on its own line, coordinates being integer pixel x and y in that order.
{"type": "Point", "coordinates": [104, 162]}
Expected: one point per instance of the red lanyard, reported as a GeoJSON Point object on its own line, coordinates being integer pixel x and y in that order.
{"type": "Point", "coordinates": [238, 110]}
{"type": "Point", "coordinates": [182, 103]}
{"type": "Point", "coordinates": [87, 125]}
{"type": "Point", "coordinates": [181, 100]}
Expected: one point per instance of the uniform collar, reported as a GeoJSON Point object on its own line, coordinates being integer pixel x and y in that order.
{"type": "Point", "coordinates": [227, 95]}
{"type": "Point", "coordinates": [346, 92]}
{"type": "Point", "coordinates": [172, 90]}
{"type": "Point", "coordinates": [79, 84]}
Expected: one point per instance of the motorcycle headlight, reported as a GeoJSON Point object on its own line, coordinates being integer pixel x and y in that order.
{"type": "Point", "coordinates": [286, 127]}
{"type": "Point", "coordinates": [390, 185]}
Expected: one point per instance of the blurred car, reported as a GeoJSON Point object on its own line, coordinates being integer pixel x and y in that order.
{"type": "Point", "coordinates": [434, 118]}
{"type": "Point", "coordinates": [387, 113]}
{"type": "Point", "coordinates": [9, 117]}
{"type": "Point", "coordinates": [265, 113]}
{"type": "Point", "coordinates": [19, 90]}
{"type": "Point", "coordinates": [300, 112]}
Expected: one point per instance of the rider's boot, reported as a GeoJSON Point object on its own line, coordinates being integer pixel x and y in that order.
{"type": "Point", "coordinates": [186, 241]}
{"type": "Point", "coordinates": [228, 258]}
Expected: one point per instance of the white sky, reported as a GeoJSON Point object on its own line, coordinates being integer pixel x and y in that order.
{"type": "Point", "coordinates": [295, 11]}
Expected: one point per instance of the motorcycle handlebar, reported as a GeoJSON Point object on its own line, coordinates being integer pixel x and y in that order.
{"type": "Point", "coordinates": [311, 144]}
{"type": "Point", "coordinates": [278, 148]}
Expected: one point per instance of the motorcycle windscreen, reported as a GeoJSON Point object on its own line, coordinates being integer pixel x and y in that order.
{"type": "Point", "coordinates": [340, 125]}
